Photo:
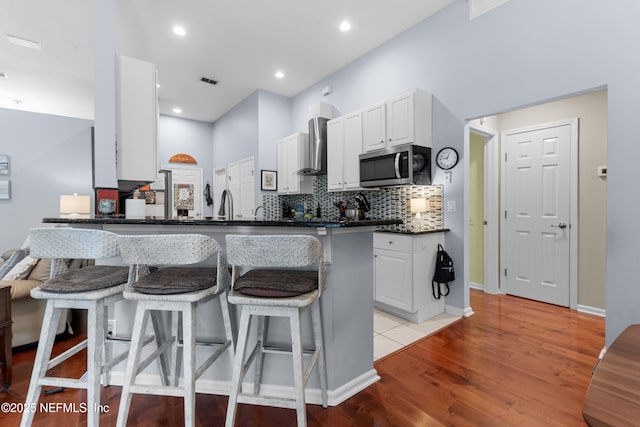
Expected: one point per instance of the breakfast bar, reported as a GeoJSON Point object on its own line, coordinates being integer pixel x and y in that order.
{"type": "Point", "coordinates": [347, 303]}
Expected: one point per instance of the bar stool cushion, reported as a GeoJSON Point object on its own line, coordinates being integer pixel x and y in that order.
{"type": "Point", "coordinates": [176, 280]}
{"type": "Point", "coordinates": [87, 279]}
{"type": "Point", "coordinates": [276, 283]}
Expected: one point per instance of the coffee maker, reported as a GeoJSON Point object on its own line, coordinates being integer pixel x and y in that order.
{"type": "Point", "coordinates": [363, 206]}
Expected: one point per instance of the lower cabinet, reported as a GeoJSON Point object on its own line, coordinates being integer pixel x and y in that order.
{"type": "Point", "coordinates": [403, 269]}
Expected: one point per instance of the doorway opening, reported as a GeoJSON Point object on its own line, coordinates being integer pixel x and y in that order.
{"type": "Point", "coordinates": [588, 251]}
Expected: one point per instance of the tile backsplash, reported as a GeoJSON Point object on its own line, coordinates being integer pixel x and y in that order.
{"type": "Point", "coordinates": [386, 203]}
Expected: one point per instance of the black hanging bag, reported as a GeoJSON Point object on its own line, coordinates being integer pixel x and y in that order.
{"type": "Point", "coordinates": [443, 274]}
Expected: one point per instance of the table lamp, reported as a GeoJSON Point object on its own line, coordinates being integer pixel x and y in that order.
{"type": "Point", "coordinates": [418, 205]}
{"type": "Point", "coordinates": [75, 206]}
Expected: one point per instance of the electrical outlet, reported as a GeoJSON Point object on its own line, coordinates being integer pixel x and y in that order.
{"type": "Point", "coordinates": [111, 328]}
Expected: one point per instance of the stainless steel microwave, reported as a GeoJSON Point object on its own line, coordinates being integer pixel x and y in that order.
{"type": "Point", "coordinates": [400, 165]}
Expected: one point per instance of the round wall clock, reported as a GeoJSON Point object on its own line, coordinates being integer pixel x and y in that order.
{"type": "Point", "coordinates": [447, 158]}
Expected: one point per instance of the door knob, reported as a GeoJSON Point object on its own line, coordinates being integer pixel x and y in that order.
{"type": "Point", "coordinates": [560, 225]}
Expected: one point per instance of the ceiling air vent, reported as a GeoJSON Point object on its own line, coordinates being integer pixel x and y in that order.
{"type": "Point", "coordinates": [210, 81]}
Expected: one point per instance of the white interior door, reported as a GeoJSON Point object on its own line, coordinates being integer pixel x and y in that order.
{"type": "Point", "coordinates": [233, 184]}
{"type": "Point", "coordinates": [247, 188]}
{"type": "Point", "coordinates": [187, 190]}
{"type": "Point", "coordinates": [538, 213]}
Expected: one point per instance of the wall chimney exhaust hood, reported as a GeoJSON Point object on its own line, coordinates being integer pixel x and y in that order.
{"type": "Point", "coordinates": [317, 161]}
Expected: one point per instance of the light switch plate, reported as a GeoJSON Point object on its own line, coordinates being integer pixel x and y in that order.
{"type": "Point", "coordinates": [451, 206]}
{"type": "Point", "coordinates": [447, 177]}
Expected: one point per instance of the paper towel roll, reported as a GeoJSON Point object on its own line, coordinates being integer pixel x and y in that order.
{"type": "Point", "coordinates": [135, 209]}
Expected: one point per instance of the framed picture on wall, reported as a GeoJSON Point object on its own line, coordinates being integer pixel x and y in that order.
{"type": "Point", "coordinates": [5, 189]}
{"type": "Point", "coordinates": [106, 201]}
{"type": "Point", "coordinates": [4, 164]}
{"type": "Point", "coordinates": [268, 181]}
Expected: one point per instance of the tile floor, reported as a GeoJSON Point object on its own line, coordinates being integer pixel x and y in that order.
{"type": "Point", "coordinates": [391, 333]}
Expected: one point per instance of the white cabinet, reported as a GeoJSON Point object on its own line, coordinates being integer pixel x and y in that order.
{"type": "Point", "coordinates": [375, 127]}
{"type": "Point", "coordinates": [344, 145]}
{"type": "Point", "coordinates": [403, 119]}
{"type": "Point", "coordinates": [403, 269]}
{"type": "Point", "coordinates": [136, 120]}
{"type": "Point", "coordinates": [292, 154]}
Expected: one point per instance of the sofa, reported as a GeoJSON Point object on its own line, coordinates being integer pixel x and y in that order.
{"type": "Point", "coordinates": [26, 312]}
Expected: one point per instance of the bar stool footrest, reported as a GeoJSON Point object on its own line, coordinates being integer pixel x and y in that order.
{"type": "Point", "coordinates": [279, 402]}
{"type": "Point", "coordinates": [63, 382]}
{"type": "Point", "coordinates": [158, 390]}
{"type": "Point", "coordinates": [67, 354]}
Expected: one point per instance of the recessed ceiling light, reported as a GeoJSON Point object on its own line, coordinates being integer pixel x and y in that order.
{"type": "Point", "coordinates": [177, 110]}
{"type": "Point", "coordinates": [19, 41]}
{"type": "Point", "coordinates": [345, 26]}
{"type": "Point", "coordinates": [179, 30]}
{"type": "Point", "coordinates": [279, 75]}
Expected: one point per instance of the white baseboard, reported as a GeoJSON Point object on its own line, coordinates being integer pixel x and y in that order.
{"type": "Point", "coordinates": [592, 310]}
{"type": "Point", "coordinates": [312, 395]}
{"type": "Point", "coordinates": [477, 286]}
{"type": "Point", "coordinates": [458, 311]}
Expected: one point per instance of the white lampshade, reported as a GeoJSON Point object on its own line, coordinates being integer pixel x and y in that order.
{"type": "Point", "coordinates": [73, 205]}
{"type": "Point", "coordinates": [418, 205]}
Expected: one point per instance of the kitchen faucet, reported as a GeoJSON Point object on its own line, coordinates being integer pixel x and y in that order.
{"type": "Point", "coordinates": [168, 193]}
{"type": "Point", "coordinates": [255, 213]}
{"type": "Point", "coordinates": [221, 212]}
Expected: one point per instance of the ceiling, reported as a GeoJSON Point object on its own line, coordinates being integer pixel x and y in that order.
{"type": "Point", "coordinates": [239, 43]}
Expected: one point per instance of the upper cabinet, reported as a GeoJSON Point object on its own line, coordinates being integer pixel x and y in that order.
{"type": "Point", "coordinates": [375, 127]}
{"type": "Point", "coordinates": [136, 122]}
{"type": "Point", "coordinates": [344, 145]}
{"type": "Point", "coordinates": [403, 119]}
{"type": "Point", "coordinates": [292, 152]}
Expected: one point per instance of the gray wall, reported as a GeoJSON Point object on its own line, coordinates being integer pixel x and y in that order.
{"type": "Point", "coordinates": [51, 155]}
{"type": "Point", "coordinates": [48, 156]}
{"type": "Point", "coordinates": [523, 53]}
{"type": "Point", "coordinates": [176, 135]}
{"type": "Point", "coordinates": [235, 135]}
{"type": "Point", "coordinates": [274, 123]}
{"type": "Point", "coordinates": [253, 128]}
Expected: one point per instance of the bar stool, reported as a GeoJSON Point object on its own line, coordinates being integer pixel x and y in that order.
{"type": "Point", "coordinates": [91, 288]}
{"type": "Point", "coordinates": [169, 289]}
{"type": "Point", "coordinates": [271, 288]}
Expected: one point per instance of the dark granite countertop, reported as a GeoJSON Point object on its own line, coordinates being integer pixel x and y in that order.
{"type": "Point", "coordinates": [239, 223]}
{"type": "Point", "coordinates": [410, 232]}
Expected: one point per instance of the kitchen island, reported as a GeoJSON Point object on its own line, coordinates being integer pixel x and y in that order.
{"type": "Point", "coordinates": [347, 303]}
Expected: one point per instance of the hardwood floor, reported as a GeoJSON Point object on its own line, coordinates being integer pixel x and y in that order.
{"type": "Point", "coordinates": [514, 362]}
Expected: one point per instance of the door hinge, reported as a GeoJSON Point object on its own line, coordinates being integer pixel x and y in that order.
{"type": "Point", "coordinates": [505, 272]}
{"type": "Point", "coordinates": [505, 214]}
{"type": "Point", "coordinates": [505, 157]}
